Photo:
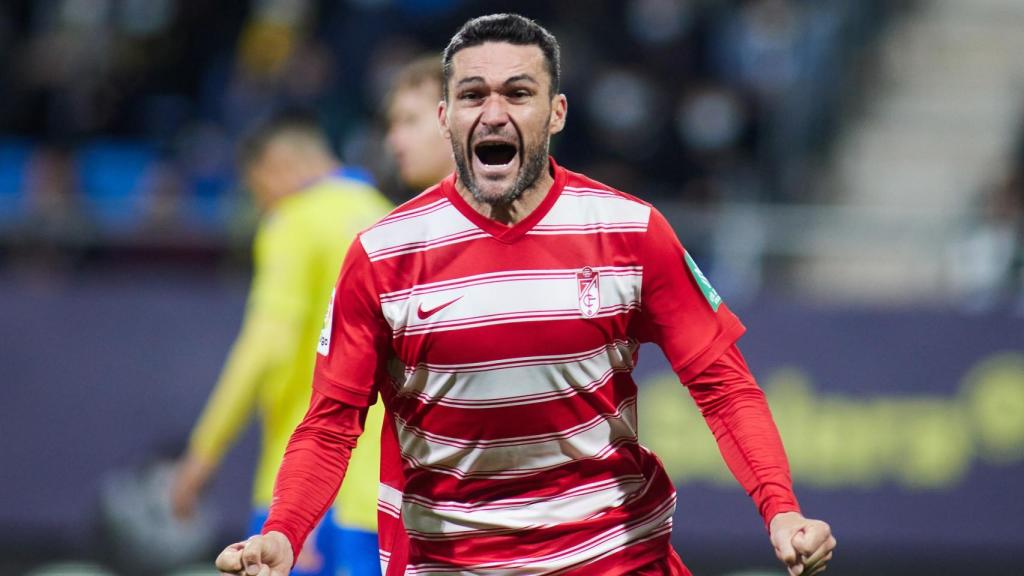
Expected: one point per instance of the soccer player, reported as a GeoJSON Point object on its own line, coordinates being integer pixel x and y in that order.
{"type": "Point", "coordinates": [313, 208]}
{"type": "Point", "coordinates": [422, 154]}
{"type": "Point", "coordinates": [499, 315]}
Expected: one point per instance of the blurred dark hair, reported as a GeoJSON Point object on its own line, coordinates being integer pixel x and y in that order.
{"type": "Point", "coordinates": [511, 28]}
{"type": "Point", "coordinates": [287, 121]}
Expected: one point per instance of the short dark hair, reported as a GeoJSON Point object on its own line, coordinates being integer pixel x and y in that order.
{"type": "Point", "coordinates": [285, 121]}
{"type": "Point", "coordinates": [511, 28]}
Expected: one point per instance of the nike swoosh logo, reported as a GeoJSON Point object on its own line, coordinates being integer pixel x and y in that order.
{"type": "Point", "coordinates": [424, 314]}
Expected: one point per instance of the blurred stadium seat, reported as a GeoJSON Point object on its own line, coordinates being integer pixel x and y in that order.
{"type": "Point", "coordinates": [14, 157]}
{"type": "Point", "coordinates": [112, 177]}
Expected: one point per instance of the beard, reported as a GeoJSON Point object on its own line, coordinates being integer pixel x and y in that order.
{"type": "Point", "coordinates": [529, 170]}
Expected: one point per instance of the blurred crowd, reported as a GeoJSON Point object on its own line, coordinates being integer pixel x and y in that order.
{"type": "Point", "coordinates": [120, 117]}
{"type": "Point", "coordinates": [988, 262]}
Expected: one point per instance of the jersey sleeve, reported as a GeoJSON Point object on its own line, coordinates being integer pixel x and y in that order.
{"type": "Point", "coordinates": [313, 467]}
{"type": "Point", "coordinates": [355, 342]}
{"type": "Point", "coordinates": [281, 276]}
{"type": "Point", "coordinates": [736, 411]}
{"type": "Point", "coordinates": [680, 310]}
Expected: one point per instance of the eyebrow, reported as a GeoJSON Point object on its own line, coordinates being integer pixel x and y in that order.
{"type": "Point", "coordinates": [510, 80]}
{"type": "Point", "coordinates": [520, 78]}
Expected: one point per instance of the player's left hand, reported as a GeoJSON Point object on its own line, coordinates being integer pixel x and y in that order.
{"type": "Point", "coordinates": [804, 545]}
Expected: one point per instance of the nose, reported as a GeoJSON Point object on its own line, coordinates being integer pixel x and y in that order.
{"type": "Point", "coordinates": [495, 111]}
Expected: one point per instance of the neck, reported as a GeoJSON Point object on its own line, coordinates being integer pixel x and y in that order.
{"type": "Point", "coordinates": [516, 211]}
{"type": "Point", "coordinates": [305, 172]}
{"type": "Point", "coordinates": [310, 171]}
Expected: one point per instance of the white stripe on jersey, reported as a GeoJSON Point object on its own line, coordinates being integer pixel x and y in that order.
{"type": "Point", "coordinates": [652, 525]}
{"type": "Point", "coordinates": [577, 210]}
{"type": "Point", "coordinates": [583, 229]}
{"type": "Point", "coordinates": [596, 438]}
{"type": "Point", "coordinates": [407, 214]}
{"type": "Point", "coordinates": [434, 225]}
{"type": "Point", "coordinates": [389, 500]}
{"type": "Point", "coordinates": [589, 210]}
{"type": "Point", "coordinates": [429, 520]}
{"type": "Point", "coordinates": [537, 378]}
{"type": "Point", "coordinates": [517, 296]}
{"type": "Point", "coordinates": [584, 191]}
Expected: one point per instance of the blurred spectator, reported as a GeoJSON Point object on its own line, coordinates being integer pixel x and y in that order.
{"type": "Point", "coordinates": [268, 44]}
{"type": "Point", "coordinates": [693, 100]}
{"type": "Point", "coordinates": [988, 264]}
{"type": "Point", "coordinates": [624, 107]}
{"type": "Point", "coordinates": [758, 48]}
{"type": "Point", "coordinates": [659, 21]}
{"type": "Point", "coordinates": [422, 155]}
{"type": "Point", "coordinates": [50, 236]}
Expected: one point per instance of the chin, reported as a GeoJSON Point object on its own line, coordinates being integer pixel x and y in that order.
{"type": "Point", "coordinates": [495, 194]}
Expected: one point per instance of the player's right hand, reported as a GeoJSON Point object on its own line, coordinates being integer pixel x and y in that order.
{"type": "Point", "coordinates": [266, 555]}
{"type": "Point", "coordinates": [191, 475]}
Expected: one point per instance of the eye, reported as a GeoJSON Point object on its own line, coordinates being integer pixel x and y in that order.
{"type": "Point", "coordinates": [520, 94]}
{"type": "Point", "coordinates": [469, 95]}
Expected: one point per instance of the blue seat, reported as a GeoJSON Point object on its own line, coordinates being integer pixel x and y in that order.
{"type": "Point", "coordinates": [111, 177]}
{"type": "Point", "coordinates": [14, 157]}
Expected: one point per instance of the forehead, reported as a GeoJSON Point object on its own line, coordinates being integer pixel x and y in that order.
{"type": "Point", "coordinates": [498, 61]}
{"type": "Point", "coordinates": [423, 95]}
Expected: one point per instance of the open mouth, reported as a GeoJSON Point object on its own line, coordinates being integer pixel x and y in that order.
{"type": "Point", "coordinates": [495, 153]}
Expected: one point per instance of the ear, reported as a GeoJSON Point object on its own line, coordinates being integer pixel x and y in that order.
{"type": "Point", "coordinates": [442, 120]}
{"type": "Point", "coordinates": [559, 108]}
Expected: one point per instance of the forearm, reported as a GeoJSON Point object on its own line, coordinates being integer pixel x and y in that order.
{"type": "Point", "coordinates": [737, 413]}
{"type": "Point", "coordinates": [313, 467]}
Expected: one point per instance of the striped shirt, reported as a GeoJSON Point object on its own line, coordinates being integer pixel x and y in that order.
{"type": "Point", "coordinates": [503, 357]}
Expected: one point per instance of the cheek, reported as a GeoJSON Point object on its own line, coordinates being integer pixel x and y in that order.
{"type": "Point", "coordinates": [394, 138]}
{"type": "Point", "coordinates": [460, 125]}
{"type": "Point", "coordinates": [427, 128]}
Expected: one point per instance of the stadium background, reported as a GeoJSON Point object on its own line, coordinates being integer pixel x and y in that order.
{"type": "Point", "coordinates": [850, 174]}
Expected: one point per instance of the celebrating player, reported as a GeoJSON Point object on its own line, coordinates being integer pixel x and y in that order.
{"type": "Point", "coordinates": [313, 208]}
{"type": "Point", "coordinates": [499, 315]}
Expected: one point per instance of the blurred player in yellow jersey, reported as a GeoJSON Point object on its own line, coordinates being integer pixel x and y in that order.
{"type": "Point", "coordinates": [423, 156]}
{"type": "Point", "coordinates": [312, 209]}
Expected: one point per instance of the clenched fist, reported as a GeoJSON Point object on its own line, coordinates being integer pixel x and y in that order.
{"type": "Point", "coordinates": [803, 545]}
{"type": "Point", "coordinates": [266, 555]}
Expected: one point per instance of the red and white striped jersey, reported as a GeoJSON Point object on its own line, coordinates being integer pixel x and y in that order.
{"type": "Point", "coordinates": [503, 356]}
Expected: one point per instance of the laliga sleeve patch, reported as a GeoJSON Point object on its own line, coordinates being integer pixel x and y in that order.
{"type": "Point", "coordinates": [323, 345]}
{"type": "Point", "coordinates": [710, 294]}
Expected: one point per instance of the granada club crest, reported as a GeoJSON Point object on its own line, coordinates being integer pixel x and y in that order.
{"type": "Point", "coordinates": [589, 291]}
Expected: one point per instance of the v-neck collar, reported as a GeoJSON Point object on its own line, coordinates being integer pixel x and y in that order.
{"type": "Point", "coordinates": [495, 229]}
